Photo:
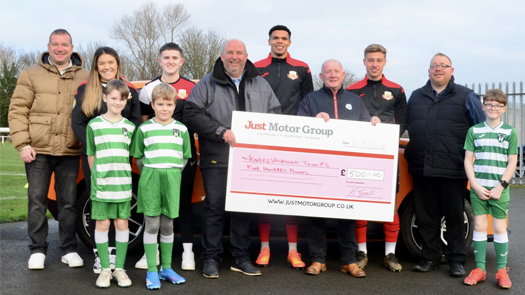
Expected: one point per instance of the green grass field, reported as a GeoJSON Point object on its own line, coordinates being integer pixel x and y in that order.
{"type": "Point", "coordinates": [13, 194]}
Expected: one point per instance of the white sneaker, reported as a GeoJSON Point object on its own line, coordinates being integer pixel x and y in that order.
{"type": "Point", "coordinates": [73, 260]}
{"type": "Point", "coordinates": [188, 261]}
{"type": "Point", "coordinates": [112, 261]}
{"type": "Point", "coordinates": [121, 277]}
{"type": "Point", "coordinates": [143, 263]}
{"type": "Point", "coordinates": [97, 267]}
{"type": "Point", "coordinates": [36, 261]}
{"type": "Point", "coordinates": [104, 278]}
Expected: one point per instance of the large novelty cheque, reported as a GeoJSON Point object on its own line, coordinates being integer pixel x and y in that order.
{"type": "Point", "coordinates": [293, 165]}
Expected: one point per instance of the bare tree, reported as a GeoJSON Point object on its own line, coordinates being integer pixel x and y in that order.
{"type": "Point", "coordinates": [88, 52]}
{"type": "Point", "coordinates": [27, 59]}
{"type": "Point", "coordinates": [142, 32]}
{"type": "Point", "coordinates": [350, 78]}
{"type": "Point", "coordinates": [174, 19]}
{"type": "Point", "coordinates": [201, 49]}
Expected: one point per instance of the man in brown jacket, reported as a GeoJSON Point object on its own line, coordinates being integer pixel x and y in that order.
{"type": "Point", "coordinates": [40, 125]}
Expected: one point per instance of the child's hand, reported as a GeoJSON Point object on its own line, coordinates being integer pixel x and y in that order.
{"type": "Point", "coordinates": [495, 193]}
{"type": "Point", "coordinates": [483, 193]}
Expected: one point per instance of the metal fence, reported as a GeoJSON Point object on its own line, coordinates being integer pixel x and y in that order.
{"type": "Point", "coordinates": [514, 116]}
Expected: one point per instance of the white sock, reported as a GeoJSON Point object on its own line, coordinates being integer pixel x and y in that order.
{"type": "Point", "coordinates": [292, 246]}
{"type": "Point", "coordinates": [188, 247]}
{"type": "Point", "coordinates": [390, 248]}
{"type": "Point", "coordinates": [361, 247]}
{"type": "Point", "coordinates": [265, 245]}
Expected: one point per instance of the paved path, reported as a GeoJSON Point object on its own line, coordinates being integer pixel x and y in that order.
{"type": "Point", "coordinates": [278, 278]}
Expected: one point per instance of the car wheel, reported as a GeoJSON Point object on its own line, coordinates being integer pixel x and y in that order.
{"type": "Point", "coordinates": [135, 221]}
{"type": "Point", "coordinates": [410, 232]}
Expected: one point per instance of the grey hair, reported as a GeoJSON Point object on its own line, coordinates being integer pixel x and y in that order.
{"type": "Point", "coordinates": [330, 60]}
{"type": "Point", "coordinates": [441, 54]}
{"type": "Point", "coordinates": [228, 41]}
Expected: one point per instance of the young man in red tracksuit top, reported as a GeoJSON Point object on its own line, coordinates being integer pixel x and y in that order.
{"type": "Point", "coordinates": [290, 80]}
{"type": "Point", "coordinates": [386, 100]}
{"type": "Point", "coordinates": [171, 60]}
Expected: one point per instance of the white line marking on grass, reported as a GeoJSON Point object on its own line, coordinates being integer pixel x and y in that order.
{"type": "Point", "coordinates": [12, 198]}
{"type": "Point", "coordinates": [13, 174]}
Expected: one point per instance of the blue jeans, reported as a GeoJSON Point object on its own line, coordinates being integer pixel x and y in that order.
{"type": "Point", "coordinates": [213, 220]}
{"type": "Point", "coordinates": [38, 176]}
{"type": "Point", "coordinates": [316, 236]}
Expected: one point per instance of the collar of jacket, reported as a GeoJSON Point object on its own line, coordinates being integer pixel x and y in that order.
{"type": "Point", "coordinates": [427, 89]}
{"type": "Point", "coordinates": [329, 91]}
{"type": "Point", "coordinates": [76, 60]}
{"type": "Point", "coordinates": [218, 74]}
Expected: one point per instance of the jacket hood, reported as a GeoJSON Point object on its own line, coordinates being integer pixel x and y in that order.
{"type": "Point", "coordinates": [76, 59]}
{"type": "Point", "coordinates": [219, 74]}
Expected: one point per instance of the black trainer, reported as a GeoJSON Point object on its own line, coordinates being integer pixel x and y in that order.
{"type": "Point", "coordinates": [426, 266]}
{"type": "Point", "coordinates": [246, 268]}
{"type": "Point", "coordinates": [210, 270]}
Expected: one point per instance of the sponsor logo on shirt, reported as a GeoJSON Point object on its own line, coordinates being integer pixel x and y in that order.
{"type": "Point", "coordinates": [388, 95]}
{"type": "Point", "coordinates": [292, 75]}
{"type": "Point", "coordinates": [481, 135]}
{"type": "Point", "coordinates": [182, 93]}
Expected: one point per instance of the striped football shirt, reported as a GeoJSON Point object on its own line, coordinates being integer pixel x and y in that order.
{"type": "Point", "coordinates": [110, 142]}
{"type": "Point", "coordinates": [491, 147]}
{"type": "Point", "coordinates": [162, 146]}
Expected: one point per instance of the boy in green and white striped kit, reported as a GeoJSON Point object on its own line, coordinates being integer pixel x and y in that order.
{"type": "Point", "coordinates": [108, 141]}
{"type": "Point", "coordinates": [162, 146]}
{"type": "Point", "coordinates": [494, 145]}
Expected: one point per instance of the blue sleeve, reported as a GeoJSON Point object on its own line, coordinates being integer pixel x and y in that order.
{"type": "Point", "coordinates": [475, 112]}
{"type": "Point", "coordinates": [304, 107]}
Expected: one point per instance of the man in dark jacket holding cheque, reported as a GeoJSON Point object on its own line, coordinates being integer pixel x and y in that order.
{"type": "Point", "coordinates": [234, 84]}
{"type": "Point", "coordinates": [333, 101]}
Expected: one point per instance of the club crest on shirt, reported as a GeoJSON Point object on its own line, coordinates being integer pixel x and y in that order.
{"type": "Point", "coordinates": [388, 95]}
{"type": "Point", "coordinates": [176, 132]}
{"type": "Point", "coordinates": [292, 75]}
{"type": "Point", "coordinates": [124, 131]}
{"type": "Point", "coordinates": [501, 137]}
{"type": "Point", "coordinates": [348, 106]}
{"type": "Point", "coordinates": [182, 93]}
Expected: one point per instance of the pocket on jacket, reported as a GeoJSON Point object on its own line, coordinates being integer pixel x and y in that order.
{"type": "Point", "coordinates": [71, 139]}
{"type": "Point", "coordinates": [39, 130]}
{"type": "Point", "coordinates": [256, 103]}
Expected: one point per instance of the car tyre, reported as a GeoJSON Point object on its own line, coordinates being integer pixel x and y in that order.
{"type": "Point", "coordinates": [410, 232]}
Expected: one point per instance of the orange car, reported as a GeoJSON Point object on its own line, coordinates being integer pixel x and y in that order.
{"type": "Point", "coordinates": [404, 205]}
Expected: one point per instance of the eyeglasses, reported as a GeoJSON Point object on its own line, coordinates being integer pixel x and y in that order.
{"type": "Point", "coordinates": [497, 107]}
{"type": "Point", "coordinates": [443, 67]}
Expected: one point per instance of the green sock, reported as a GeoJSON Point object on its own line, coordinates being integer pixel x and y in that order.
{"type": "Point", "coordinates": [166, 250]}
{"type": "Point", "coordinates": [480, 253]}
{"type": "Point", "coordinates": [103, 254]}
{"type": "Point", "coordinates": [502, 250]}
{"type": "Point", "coordinates": [151, 256]}
{"type": "Point", "coordinates": [101, 242]}
{"type": "Point", "coordinates": [122, 249]}
{"type": "Point", "coordinates": [121, 243]}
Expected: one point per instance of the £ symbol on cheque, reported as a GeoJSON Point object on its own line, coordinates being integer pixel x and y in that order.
{"type": "Point", "coordinates": [343, 172]}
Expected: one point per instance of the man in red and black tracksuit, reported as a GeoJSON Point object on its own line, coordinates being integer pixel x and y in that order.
{"type": "Point", "coordinates": [386, 100]}
{"type": "Point", "coordinates": [171, 60]}
{"type": "Point", "coordinates": [290, 80]}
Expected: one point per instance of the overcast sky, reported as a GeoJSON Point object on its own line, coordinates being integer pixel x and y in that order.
{"type": "Point", "coordinates": [484, 39]}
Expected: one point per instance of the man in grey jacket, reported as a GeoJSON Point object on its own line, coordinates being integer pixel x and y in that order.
{"type": "Point", "coordinates": [234, 84]}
